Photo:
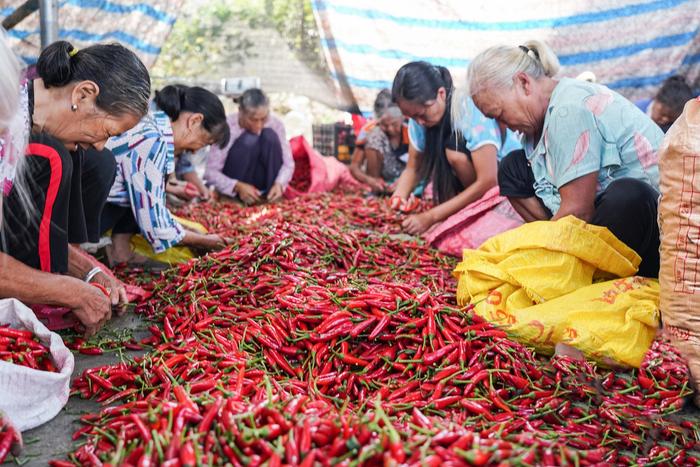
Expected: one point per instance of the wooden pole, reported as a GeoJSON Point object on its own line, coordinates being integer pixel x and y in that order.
{"type": "Point", "coordinates": [22, 11]}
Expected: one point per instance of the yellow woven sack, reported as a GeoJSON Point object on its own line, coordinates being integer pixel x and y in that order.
{"type": "Point", "coordinates": [174, 255]}
{"type": "Point", "coordinates": [536, 281]}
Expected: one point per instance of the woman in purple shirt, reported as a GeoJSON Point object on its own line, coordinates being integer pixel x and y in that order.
{"type": "Point", "coordinates": [257, 163]}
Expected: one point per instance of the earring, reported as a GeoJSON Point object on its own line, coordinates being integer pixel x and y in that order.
{"type": "Point", "coordinates": [74, 107]}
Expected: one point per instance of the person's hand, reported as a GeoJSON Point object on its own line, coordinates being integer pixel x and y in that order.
{"type": "Point", "coordinates": [205, 194]}
{"type": "Point", "coordinates": [404, 205]}
{"type": "Point", "coordinates": [378, 185]}
{"type": "Point", "coordinates": [416, 224]}
{"type": "Point", "coordinates": [180, 190]}
{"type": "Point", "coordinates": [216, 242]}
{"type": "Point", "coordinates": [115, 288]}
{"type": "Point", "coordinates": [91, 306]}
{"type": "Point", "coordinates": [275, 193]}
{"type": "Point", "coordinates": [191, 190]}
{"type": "Point", "coordinates": [395, 202]}
{"type": "Point", "coordinates": [247, 193]}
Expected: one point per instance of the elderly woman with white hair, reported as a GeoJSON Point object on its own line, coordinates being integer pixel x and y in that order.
{"type": "Point", "coordinates": [589, 152]}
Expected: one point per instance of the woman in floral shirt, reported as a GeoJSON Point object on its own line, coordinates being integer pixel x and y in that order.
{"type": "Point", "coordinates": [589, 152]}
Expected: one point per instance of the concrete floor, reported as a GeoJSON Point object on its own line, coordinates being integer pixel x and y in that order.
{"type": "Point", "coordinates": [53, 440]}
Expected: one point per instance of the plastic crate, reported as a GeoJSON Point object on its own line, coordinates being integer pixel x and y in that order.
{"type": "Point", "coordinates": [334, 139]}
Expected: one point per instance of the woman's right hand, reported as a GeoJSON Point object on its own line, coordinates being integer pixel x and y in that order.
{"type": "Point", "coordinates": [91, 306]}
{"type": "Point", "coordinates": [248, 193]}
{"type": "Point", "coordinates": [378, 185]}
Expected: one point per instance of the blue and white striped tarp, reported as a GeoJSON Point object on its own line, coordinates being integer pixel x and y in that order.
{"type": "Point", "coordinates": [630, 45]}
{"type": "Point", "coordinates": [141, 25]}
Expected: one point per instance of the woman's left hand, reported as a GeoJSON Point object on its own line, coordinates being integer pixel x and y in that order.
{"type": "Point", "coordinates": [416, 224]}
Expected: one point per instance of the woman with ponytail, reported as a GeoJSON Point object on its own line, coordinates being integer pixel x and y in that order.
{"type": "Point", "coordinates": [79, 99]}
{"type": "Point", "coordinates": [181, 118]}
{"type": "Point", "coordinates": [452, 145]}
{"type": "Point", "coordinates": [589, 152]}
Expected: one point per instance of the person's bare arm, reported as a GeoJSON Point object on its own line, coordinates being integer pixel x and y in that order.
{"type": "Point", "coordinates": [486, 169]}
{"type": "Point", "coordinates": [409, 177]}
{"type": "Point", "coordinates": [578, 198]}
{"type": "Point", "coordinates": [78, 265]}
{"type": "Point", "coordinates": [206, 241]}
{"type": "Point", "coordinates": [358, 158]}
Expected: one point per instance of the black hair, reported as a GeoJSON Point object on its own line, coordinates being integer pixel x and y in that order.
{"type": "Point", "coordinates": [674, 93]}
{"type": "Point", "coordinates": [124, 82]}
{"type": "Point", "coordinates": [177, 98]}
{"type": "Point", "coordinates": [419, 82]}
{"type": "Point", "coordinates": [253, 98]}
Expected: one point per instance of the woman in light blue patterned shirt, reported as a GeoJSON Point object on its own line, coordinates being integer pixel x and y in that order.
{"type": "Point", "coordinates": [589, 152]}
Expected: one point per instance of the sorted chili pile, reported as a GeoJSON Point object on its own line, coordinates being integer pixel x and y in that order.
{"type": "Point", "coordinates": [8, 438]}
{"type": "Point", "coordinates": [22, 347]}
{"type": "Point", "coordinates": [316, 340]}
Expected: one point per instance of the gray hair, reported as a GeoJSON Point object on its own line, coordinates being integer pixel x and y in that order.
{"type": "Point", "coordinates": [253, 98]}
{"type": "Point", "coordinates": [392, 111]}
{"type": "Point", "coordinates": [496, 66]}
{"type": "Point", "coordinates": [382, 102]}
{"type": "Point", "coordinates": [9, 82]}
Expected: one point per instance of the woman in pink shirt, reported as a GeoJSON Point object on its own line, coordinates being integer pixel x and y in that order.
{"type": "Point", "coordinates": [256, 165]}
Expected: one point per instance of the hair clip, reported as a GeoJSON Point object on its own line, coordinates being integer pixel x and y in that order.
{"type": "Point", "coordinates": [532, 53]}
{"type": "Point", "coordinates": [73, 52]}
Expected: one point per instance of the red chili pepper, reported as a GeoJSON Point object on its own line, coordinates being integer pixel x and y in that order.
{"type": "Point", "coordinates": [184, 399]}
{"type": "Point", "coordinates": [145, 434]}
{"type": "Point", "coordinates": [6, 440]}
{"type": "Point", "coordinates": [102, 289]}
{"type": "Point", "coordinates": [187, 457]}
{"type": "Point", "coordinates": [15, 333]}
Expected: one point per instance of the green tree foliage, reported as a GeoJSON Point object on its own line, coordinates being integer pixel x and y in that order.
{"type": "Point", "coordinates": [208, 36]}
{"type": "Point", "coordinates": [293, 19]}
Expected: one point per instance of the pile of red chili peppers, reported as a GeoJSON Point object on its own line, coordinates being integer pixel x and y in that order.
{"type": "Point", "coordinates": [21, 347]}
{"type": "Point", "coordinates": [320, 338]}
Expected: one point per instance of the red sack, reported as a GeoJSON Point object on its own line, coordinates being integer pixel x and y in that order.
{"type": "Point", "coordinates": [473, 225]}
{"type": "Point", "coordinates": [315, 173]}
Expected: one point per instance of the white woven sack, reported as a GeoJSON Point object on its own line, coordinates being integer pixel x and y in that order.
{"type": "Point", "coordinates": [32, 397]}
